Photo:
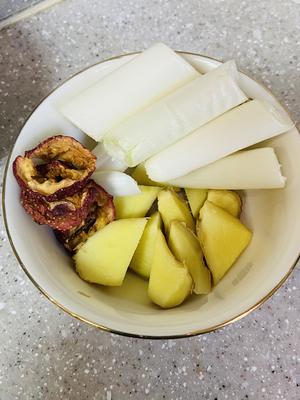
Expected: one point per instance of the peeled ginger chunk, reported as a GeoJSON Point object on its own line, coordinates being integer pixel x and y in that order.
{"type": "Point", "coordinates": [196, 199]}
{"type": "Point", "coordinates": [186, 248]}
{"type": "Point", "coordinates": [137, 205]}
{"type": "Point", "coordinates": [228, 200]}
{"type": "Point", "coordinates": [248, 169]}
{"type": "Point", "coordinates": [222, 237]}
{"type": "Point", "coordinates": [133, 86]}
{"type": "Point", "coordinates": [172, 207]}
{"type": "Point", "coordinates": [241, 127]}
{"type": "Point", "coordinates": [141, 261]}
{"type": "Point", "coordinates": [170, 282]}
{"type": "Point", "coordinates": [105, 256]}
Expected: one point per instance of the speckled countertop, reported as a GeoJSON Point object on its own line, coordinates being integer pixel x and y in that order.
{"type": "Point", "coordinates": [46, 354]}
{"type": "Point", "coordinates": [10, 7]}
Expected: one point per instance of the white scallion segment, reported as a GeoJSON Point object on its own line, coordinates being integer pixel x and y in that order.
{"type": "Point", "coordinates": [248, 169]}
{"type": "Point", "coordinates": [133, 86]}
{"type": "Point", "coordinates": [173, 117]}
{"type": "Point", "coordinates": [105, 161]}
{"type": "Point", "coordinates": [235, 130]}
{"type": "Point", "coordinates": [116, 183]}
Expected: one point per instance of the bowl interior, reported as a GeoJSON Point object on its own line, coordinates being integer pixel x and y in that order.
{"type": "Point", "coordinates": [273, 216]}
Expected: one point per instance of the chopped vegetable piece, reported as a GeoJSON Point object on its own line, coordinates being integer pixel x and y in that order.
{"type": "Point", "coordinates": [172, 207]}
{"type": "Point", "coordinates": [186, 248]}
{"type": "Point", "coordinates": [174, 116]}
{"type": "Point", "coordinates": [170, 282]}
{"type": "Point", "coordinates": [97, 210]}
{"type": "Point", "coordinates": [227, 199]}
{"type": "Point", "coordinates": [68, 167]}
{"type": "Point", "coordinates": [137, 205]}
{"type": "Point", "coordinates": [105, 162]}
{"type": "Point", "coordinates": [105, 257]}
{"type": "Point", "coordinates": [133, 86]}
{"type": "Point", "coordinates": [222, 237]}
{"type": "Point", "coordinates": [116, 183]}
{"type": "Point", "coordinates": [140, 175]}
{"type": "Point", "coordinates": [238, 128]}
{"type": "Point", "coordinates": [196, 199]}
{"type": "Point", "coordinates": [141, 261]}
{"type": "Point", "coordinates": [249, 169]}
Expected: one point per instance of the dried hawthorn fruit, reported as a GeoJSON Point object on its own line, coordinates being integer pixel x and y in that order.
{"type": "Point", "coordinates": [56, 190]}
{"type": "Point", "coordinates": [67, 166]}
{"type": "Point", "coordinates": [101, 211]}
{"type": "Point", "coordinates": [69, 213]}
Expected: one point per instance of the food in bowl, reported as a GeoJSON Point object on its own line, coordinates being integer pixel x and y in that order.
{"type": "Point", "coordinates": [212, 214]}
{"type": "Point", "coordinates": [103, 248]}
{"type": "Point", "coordinates": [57, 190]}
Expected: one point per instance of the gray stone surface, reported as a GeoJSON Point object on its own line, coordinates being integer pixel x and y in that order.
{"type": "Point", "coordinates": [46, 354]}
{"type": "Point", "coordinates": [10, 7]}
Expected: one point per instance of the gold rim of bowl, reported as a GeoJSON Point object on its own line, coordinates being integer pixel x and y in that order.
{"type": "Point", "coordinates": [94, 324]}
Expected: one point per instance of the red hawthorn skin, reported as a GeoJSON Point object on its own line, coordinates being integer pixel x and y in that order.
{"type": "Point", "coordinates": [63, 216]}
{"type": "Point", "coordinates": [53, 147]}
{"type": "Point", "coordinates": [100, 213]}
{"type": "Point", "coordinates": [59, 194]}
{"type": "Point", "coordinates": [75, 206]}
{"type": "Point", "coordinates": [65, 153]}
{"type": "Point", "coordinates": [69, 212]}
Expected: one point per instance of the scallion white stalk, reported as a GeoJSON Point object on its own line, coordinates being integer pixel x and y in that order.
{"type": "Point", "coordinates": [105, 161]}
{"type": "Point", "coordinates": [235, 130]}
{"type": "Point", "coordinates": [174, 116]}
{"type": "Point", "coordinates": [248, 169]}
{"type": "Point", "coordinates": [133, 86]}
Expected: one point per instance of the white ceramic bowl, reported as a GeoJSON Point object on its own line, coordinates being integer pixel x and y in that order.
{"type": "Point", "coordinates": [273, 215]}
